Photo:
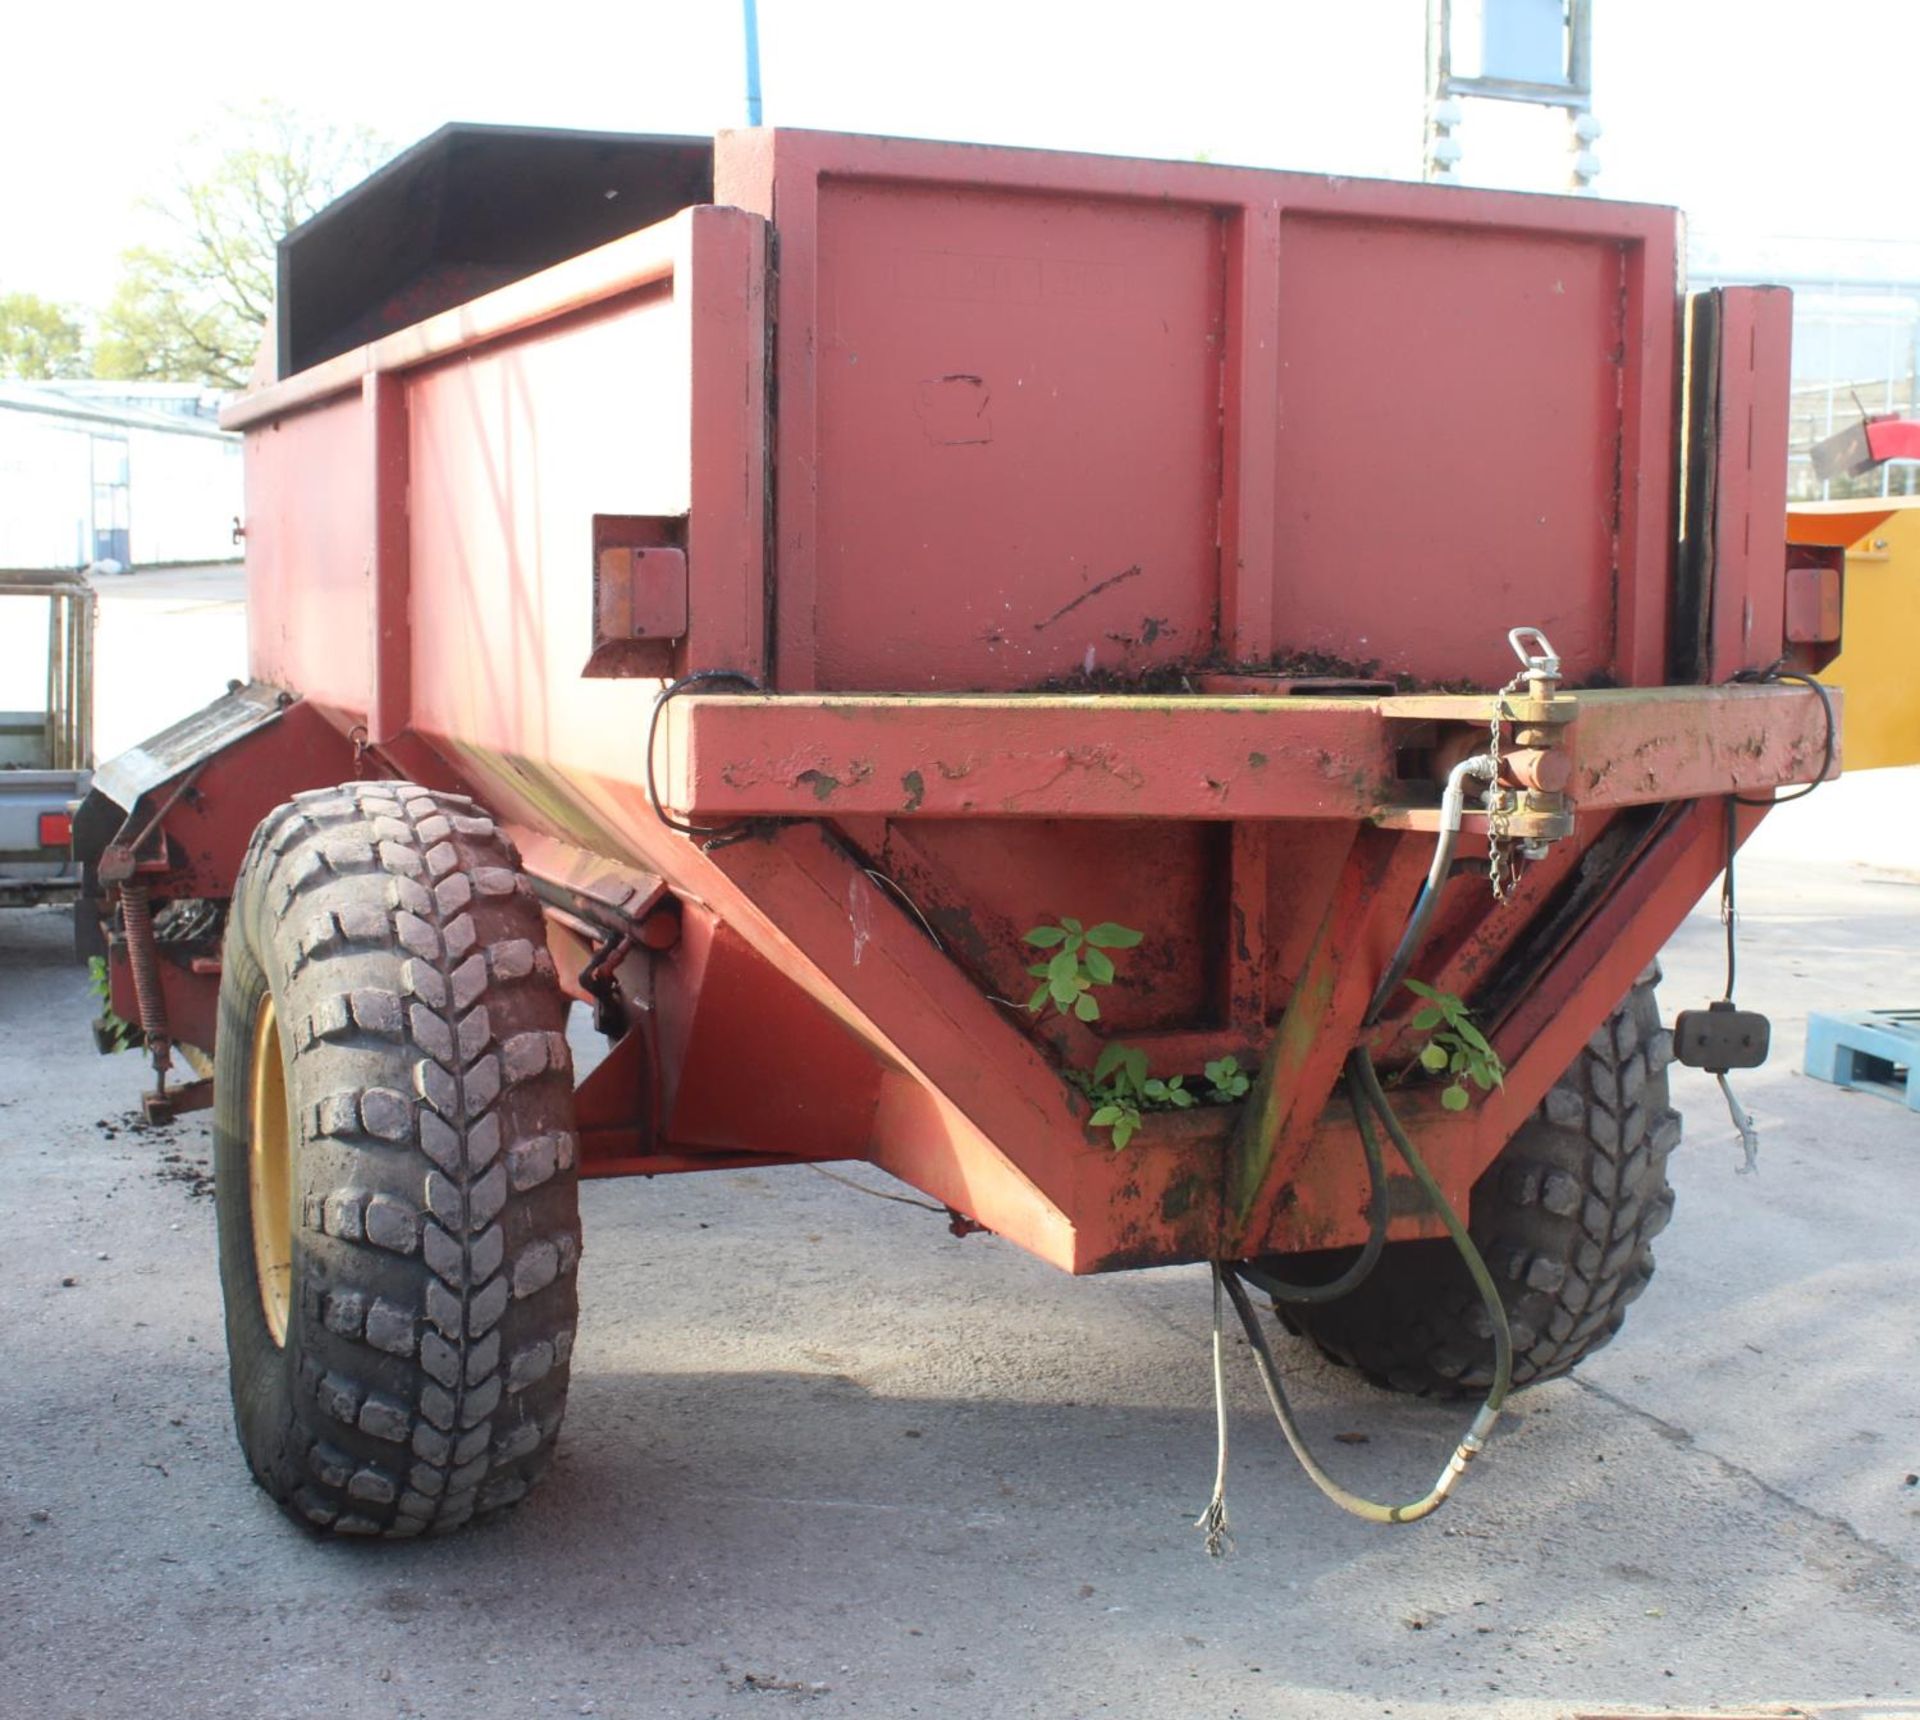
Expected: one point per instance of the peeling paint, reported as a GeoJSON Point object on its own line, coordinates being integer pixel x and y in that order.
{"type": "Point", "coordinates": [859, 913]}
{"type": "Point", "coordinates": [916, 786]}
{"type": "Point", "coordinates": [820, 782]}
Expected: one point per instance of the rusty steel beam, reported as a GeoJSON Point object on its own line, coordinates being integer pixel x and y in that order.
{"type": "Point", "coordinates": [824, 755]}
{"type": "Point", "coordinates": [1357, 926]}
{"type": "Point", "coordinates": [1634, 748]}
{"type": "Point", "coordinates": [1641, 908]}
{"type": "Point", "coordinates": [1111, 756]}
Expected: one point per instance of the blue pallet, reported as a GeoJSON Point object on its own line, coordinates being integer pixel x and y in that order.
{"type": "Point", "coordinates": [1870, 1050]}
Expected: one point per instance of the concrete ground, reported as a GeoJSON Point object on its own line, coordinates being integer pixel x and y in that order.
{"type": "Point", "coordinates": [823, 1458]}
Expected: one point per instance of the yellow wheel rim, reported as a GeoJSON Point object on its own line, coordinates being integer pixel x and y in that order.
{"type": "Point", "coordinates": [270, 1173]}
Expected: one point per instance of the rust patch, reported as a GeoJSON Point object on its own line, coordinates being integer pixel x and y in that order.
{"type": "Point", "coordinates": [1181, 1197]}
{"type": "Point", "coordinates": [820, 782]}
{"type": "Point", "coordinates": [916, 786]}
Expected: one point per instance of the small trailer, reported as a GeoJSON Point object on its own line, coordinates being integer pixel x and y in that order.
{"type": "Point", "coordinates": [46, 750]}
{"type": "Point", "coordinates": [947, 651]}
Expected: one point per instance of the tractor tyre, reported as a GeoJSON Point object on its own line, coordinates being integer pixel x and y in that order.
{"type": "Point", "coordinates": [1565, 1218]}
{"type": "Point", "coordinates": [394, 1160]}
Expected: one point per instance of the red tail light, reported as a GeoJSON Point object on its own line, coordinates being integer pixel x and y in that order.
{"type": "Point", "coordinates": [56, 830]}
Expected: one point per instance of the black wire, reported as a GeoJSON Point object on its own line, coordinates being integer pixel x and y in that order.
{"type": "Point", "coordinates": [699, 678]}
{"type": "Point", "coordinates": [1829, 747]}
{"type": "Point", "coordinates": [1832, 744]}
{"type": "Point", "coordinates": [1356, 1274]}
{"type": "Point", "coordinates": [1726, 887]}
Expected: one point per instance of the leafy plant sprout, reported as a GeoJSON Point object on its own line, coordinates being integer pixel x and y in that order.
{"type": "Point", "coordinates": [1121, 1086]}
{"type": "Point", "coordinates": [1455, 1047]}
{"type": "Point", "coordinates": [120, 1033]}
{"type": "Point", "coordinates": [1079, 963]}
{"type": "Point", "coordinates": [1226, 1080]}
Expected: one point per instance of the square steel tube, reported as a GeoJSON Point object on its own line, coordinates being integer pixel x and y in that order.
{"type": "Point", "coordinates": [724, 756]}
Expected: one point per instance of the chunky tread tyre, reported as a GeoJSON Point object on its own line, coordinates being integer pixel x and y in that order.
{"type": "Point", "coordinates": [435, 1221]}
{"type": "Point", "coordinates": [1565, 1217]}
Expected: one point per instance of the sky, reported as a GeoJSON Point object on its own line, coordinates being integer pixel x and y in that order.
{"type": "Point", "coordinates": [1762, 119]}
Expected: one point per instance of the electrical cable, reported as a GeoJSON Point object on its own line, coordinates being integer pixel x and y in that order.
{"type": "Point", "coordinates": [699, 678]}
{"type": "Point", "coordinates": [1214, 1518]}
{"type": "Point", "coordinates": [1741, 1118]}
{"type": "Point", "coordinates": [879, 1193]}
{"type": "Point", "coordinates": [1832, 745]}
{"type": "Point", "coordinates": [1726, 890]}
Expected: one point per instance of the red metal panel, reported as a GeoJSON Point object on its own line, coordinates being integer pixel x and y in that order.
{"type": "Point", "coordinates": [1750, 480]}
{"type": "Point", "coordinates": [1547, 325]}
{"type": "Point", "coordinates": [309, 623]}
{"type": "Point", "coordinates": [981, 358]}
{"type": "Point", "coordinates": [584, 390]}
{"type": "Point", "coordinates": [1450, 444]}
{"type": "Point", "coordinates": [506, 487]}
{"type": "Point", "coordinates": [753, 1064]}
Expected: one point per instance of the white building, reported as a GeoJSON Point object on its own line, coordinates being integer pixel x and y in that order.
{"type": "Point", "coordinates": [124, 472]}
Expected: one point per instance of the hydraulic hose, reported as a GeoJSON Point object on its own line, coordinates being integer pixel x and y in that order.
{"type": "Point", "coordinates": [1356, 1274]}
{"type": "Point", "coordinates": [1452, 804]}
{"type": "Point", "coordinates": [1368, 1092]}
{"type": "Point", "coordinates": [1363, 1082]}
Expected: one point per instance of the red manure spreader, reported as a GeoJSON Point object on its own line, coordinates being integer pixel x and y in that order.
{"type": "Point", "coordinates": [993, 664]}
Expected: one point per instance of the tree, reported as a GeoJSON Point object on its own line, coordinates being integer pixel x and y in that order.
{"type": "Point", "coordinates": [193, 309]}
{"type": "Point", "coordinates": [39, 341]}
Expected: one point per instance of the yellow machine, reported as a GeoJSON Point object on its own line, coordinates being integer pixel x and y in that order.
{"type": "Point", "coordinates": [1878, 666]}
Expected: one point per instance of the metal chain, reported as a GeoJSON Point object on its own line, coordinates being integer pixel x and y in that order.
{"type": "Point", "coordinates": [1503, 867]}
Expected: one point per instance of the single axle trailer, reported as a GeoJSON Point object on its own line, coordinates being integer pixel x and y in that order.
{"type": "Point", "coordinates": [797, 594]}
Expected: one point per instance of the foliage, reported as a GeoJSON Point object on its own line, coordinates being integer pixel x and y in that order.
{"type": "Point", "coordinates": [39, 340]}
{"type": "Point", "coordinates": [120, 1033]}
{"type": "Point", "coordinates": [1226, 1080]}
{"type": "Point", "coordinates": [1121, 1087]}
{"type": "Point", "coordinates": [1455, 1047]}
{"type": "Point", "coordinates": [1079, 963]}
{"type": "Point", "coordinates": [194, 308]}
